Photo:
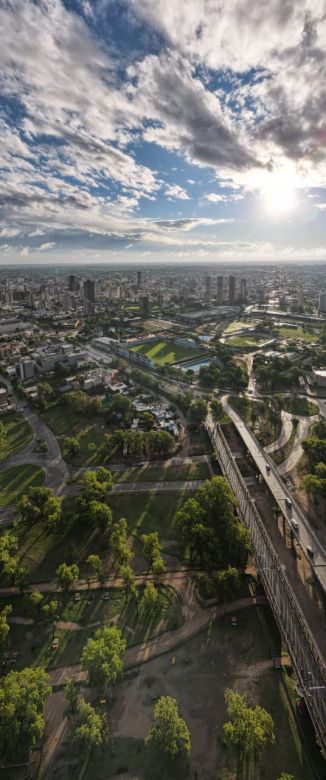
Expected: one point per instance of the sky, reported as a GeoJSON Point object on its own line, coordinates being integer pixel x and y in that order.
{"type": "Point", "coordinates": [162, 131]}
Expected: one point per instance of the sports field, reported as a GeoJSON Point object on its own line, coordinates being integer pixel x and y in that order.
{"type": "Point", "coordinates": [164, 352]}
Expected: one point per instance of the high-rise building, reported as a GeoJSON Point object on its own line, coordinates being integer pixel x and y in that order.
{"type": "Point", "coordinates": [243, 290]}
{"type": "Point", "coordinates": [144, 302]}
{"type": "Point", "coordinates": [139, 279]}
{"type": "Point", "coordinates": [72, 282]}
{"type": "Point", "coordinates": [89, 295]}
{"type": "Point", "coordinates": [231, 290]}
{"type": "Point", "coordinates": [220, 290]}
{"type": "Point", "coordinates": [26, 367]}
{"type": "Point", "coordinates": [322, 302]}
{"type": "Point", "coordinates": [208, 289]}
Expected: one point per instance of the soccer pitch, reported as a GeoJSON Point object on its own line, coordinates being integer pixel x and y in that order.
{"type": "Point", "coordinates": [163, 352]}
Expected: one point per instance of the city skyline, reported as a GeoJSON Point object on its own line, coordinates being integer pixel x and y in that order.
{"type": "Point", "coordinates": [153, 132]}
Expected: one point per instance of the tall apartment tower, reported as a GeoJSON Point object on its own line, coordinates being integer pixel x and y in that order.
{"type": "Point", "coordinates": [322, 302]}
{"type": "Point", "coordinates": [208, 289]}
{"type": "Point", "coordinates": [231, 290]}
{"type": "Point", "coordinates": [72, 282]}
{"type": "Point", "coordinates": [220, 291]}
{"type": "Point", "coordinates": [89, 295]}
{"type": "Point", "coordinates": [243, 290]}
{"type": "Point", "coordinates": [139, 279]}
{"type": "Point", "coordinates": [144, 301]}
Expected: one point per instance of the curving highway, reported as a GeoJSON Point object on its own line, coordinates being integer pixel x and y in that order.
{"type": "Point", "coordinates": [295, 517]}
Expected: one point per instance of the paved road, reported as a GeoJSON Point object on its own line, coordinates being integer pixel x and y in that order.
{"type": "Point", "coordinates": [168, 463]}
{"type": "Point", "coordinates": [305, 534]}
{"type": "Point", "coordinates": [52, 462]}
{"type": "Point", "coordinates": [285, 435]}
{"type": "Point", "coordinates": [297, 450]}
{"type": "Point", "coordinates": [145, 487]}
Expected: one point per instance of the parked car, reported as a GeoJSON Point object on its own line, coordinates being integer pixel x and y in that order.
{"type": "Point", "coordinates": [295, 524]}
{"type": "Point", "coordinates": [310, 552]}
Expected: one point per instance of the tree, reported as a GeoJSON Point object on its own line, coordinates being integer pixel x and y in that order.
{"type": "Point", "coordinates": [197, 412]}
{"type": "Point", "coordinates": [3, 432]}
{"type": "Point", "coordinates": [92, 728]}
{"type": "Point", "coordinates": [285, 776]}
{"type": "Point", "coordinates": [101, 657]}
{"type": "Point", "coordinates": [4, 625]}
{"type": "Point", "coordinates": [22, 700]}
{"type": "Point", "coordinates": [100, 515]}
{"type": "Point", "coordinates": [67, 575]}
{"type": "Point", "coordinates": [169, 733]}
{"type": "Point", "coordinates": [210, 528]}
{"type": "Point", "coordinates": [35, 599]}
{"type": "Point", "coordinates": [40, 505]}
{"type": "Point", "coordinates": [21, 578]}
{"type": "Point", "coordinates": [217, 409]}
{"type": "Point", "coordinates": [121, 406]}
{"type": "Point", "coordinates": [71, 694]}
{"type": "Point", "coordinates": [250, 729]}
{"type": "Point", "coordinates": [149, 599]}
{"type": "Point", "coordinates": [71, 445]}
{"type": "Point", "coordinates": [128, 577]}
{"type": "Point", "coordinates": [152, 551]}
{"type": "Point", "coordinates": [50, 612]}
{"type": "Point", "coordinates": [8, 562]}
{"type": "Point", "coordinates": [97, 484]}
{"type": "Point", "coordinates": [94, 561]}
{"type": "Point", "coordinates": [119, 543]}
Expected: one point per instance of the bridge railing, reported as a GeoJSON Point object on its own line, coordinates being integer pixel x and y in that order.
{"type": "Point", "coordinates": [307, 660]}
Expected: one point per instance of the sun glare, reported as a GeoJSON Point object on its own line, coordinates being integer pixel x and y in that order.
{"type": "Point", "coordinates": [279, 194]}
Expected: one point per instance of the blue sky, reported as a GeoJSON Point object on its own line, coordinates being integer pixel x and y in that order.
{"type": "Point", "coordinates": [162, 130]}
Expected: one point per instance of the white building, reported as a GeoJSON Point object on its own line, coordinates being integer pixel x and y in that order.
{"type": "Point", "coordinates": [26, 367]}
{"type": "Point", "coordinates": [319, 375]}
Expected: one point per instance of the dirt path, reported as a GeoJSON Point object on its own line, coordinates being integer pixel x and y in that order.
{"type": "Point", "coordinates": [145, 651]}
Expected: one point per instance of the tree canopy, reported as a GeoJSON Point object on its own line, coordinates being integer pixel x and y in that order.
{"type": "Point", "coordinates": [169, 733]}
{"type": "Point", "coordinates": [40, 505]}
{"type": "Point", "coordinates": [210, 527]}
{"type": "Point", "coordinates": [250, 729]}
{"type": "Point", "coordinates": [67, 575]}
{"type": "Point", "coordinates": [101, 656]}
{"type": "Point", "coordinates": [92, 727]}
{"type": "Point", "coordinates": [22, 699]}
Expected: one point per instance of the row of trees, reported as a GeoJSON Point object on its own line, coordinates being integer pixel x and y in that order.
{"type": "Point", "coordinates": [315, 448]}
{"type": "Point", "coordinates": [136, 443]}
{"type": "Point", "coordinates": [276, 372]}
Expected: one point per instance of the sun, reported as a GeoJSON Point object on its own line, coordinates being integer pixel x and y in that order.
{"type": "Point", "coordinates": [279, 193]}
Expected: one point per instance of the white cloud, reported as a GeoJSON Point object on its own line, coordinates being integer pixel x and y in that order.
{"type": "Point", "coordinates": [47, 246]}
{"type": "Point", "coordinates": [175, 192]}
{"type": "Point", "coordinates": [8, 232]}
{"type": "Point", "coordinates": [214, 197]}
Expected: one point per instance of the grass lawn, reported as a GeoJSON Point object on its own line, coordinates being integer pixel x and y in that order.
{"type": "Point", "coordinates": [41, 550]}
{"type": "Point", "coordinates": [298, 333]}
{"type": "Point", "coordinates": [163, 352]}
{"type": "Point", "coordinates": [33, 642]}
{"type": "Point", "coordinates": [234, 326]}
{"type": "Point", "coordinates": [162, 473]}
{"type": "Point", "coordinates": [15, 481]}
{"type": "Point", "coordinates": [296, 405]}
{"type": "Point", "coordinates": [87, 429]}
{"type": "Point", "coordinates": [18, 435]}
{"type": "Point", "coordinates": [246, 341]}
